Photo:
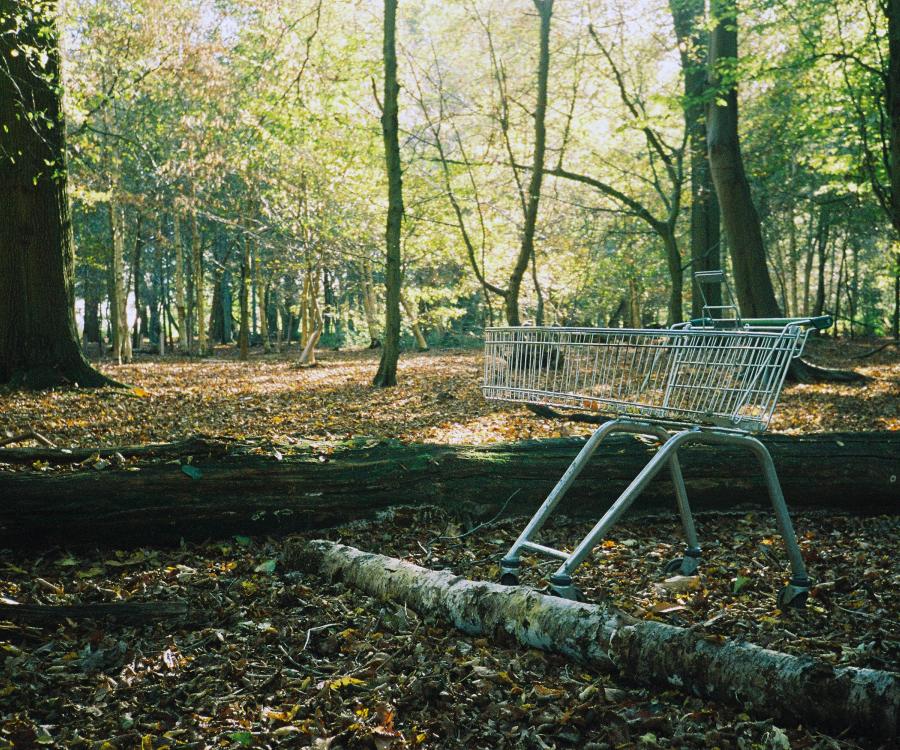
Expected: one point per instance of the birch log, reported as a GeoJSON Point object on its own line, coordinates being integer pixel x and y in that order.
{"type": "Point", "coordinates": [788, 688]}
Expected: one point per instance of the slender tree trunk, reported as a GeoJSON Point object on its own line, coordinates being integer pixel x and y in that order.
{"type": "Point", "coordinates": [140, 317]}
{"type": "Point", "coordinates": [526, 249]}
{"type": "Point", "coordinates": [387, 367]}
{"type": "Point", "coordinates": [119, 296]}
{"type": "Point", "coordinates": [244, 301]}
{"type": "Point", "coordinates": [38, 339]}
{"type": "Point", "coordinates": [753, 285]}
{"type": "Point", "coordinates": [91, 315]}
{"type": "Point", "coordinates": [421, 343]}
{"type": "Point", "coordinates": [180, 296]}
{"type": "Point", "coordinates": [370, 305]}
{"type": "Point", "coordinates": [822, 254]}
{"type": "Point", "coordinates": [197, 275]}
{"type": "Point", "coordinates": [314, 321]}
{"type": "Point", "coordinates": [676, 274]}
{"type": "Point", "coordinates": [262, 295]}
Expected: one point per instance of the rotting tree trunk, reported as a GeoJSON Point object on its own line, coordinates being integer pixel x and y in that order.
{"type": "Point", "coordinates": [386, 376]}
{"type": "Point", "coordinates": [768, 683]}
{"type": "Point", "coordinates": [321, 485]}
{"type": "Point", "coordinates": [38, 340]}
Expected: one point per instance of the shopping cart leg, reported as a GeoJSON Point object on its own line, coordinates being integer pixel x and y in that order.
{"type": "Point", "coordinates": [688, 564]}
{"type": "Point", "coordinates": [797, 590]}
{"type": "Point", "coordinates": [561, 580]}
{"type": "Point", "coordinates": [509, 565]}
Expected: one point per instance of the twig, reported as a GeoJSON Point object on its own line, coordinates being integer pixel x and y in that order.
{"type": "Point", "coordinates": [894, 342]}
{"type": "Point", "coordinates": [316, 630]}
{"type": "Point", "coordinates": [30, 435]}
{"type": "Point", "coordinates": [481, 525]}
{"type": "Point", "coordinates": [866, 615]}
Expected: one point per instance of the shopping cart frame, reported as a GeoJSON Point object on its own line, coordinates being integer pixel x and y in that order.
{"type": "Point", "coordinates": [657, 419]}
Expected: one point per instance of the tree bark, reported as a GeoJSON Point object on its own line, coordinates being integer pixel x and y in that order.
{"type": "Point", "coordinates": [239, 491]}
{"type": "Point", "coordinates": [753, 286]}
{"type": "Point", "coordinates": [184, 334]}
{"type": "Point", "coordinates": [197, 270]}
{"type": "Point", "coordinates": [38, 340]}
{"type": "Point", "coordinates": [390, 353]}
{"type": "Point", "coordinates": [767, 683]}
{"type": "Point", "coordinates": [244, 301]}
{"type": "Point", "coordinates": [421, 343]}
{"type": "Point", "coordinates": [369, 303]}
{"type": "Point", "coordinates": [118, 306]}
{"type": "Point", "coordinates": [526, 249]}
{"type": "Point", "coordinates": [688, 18]}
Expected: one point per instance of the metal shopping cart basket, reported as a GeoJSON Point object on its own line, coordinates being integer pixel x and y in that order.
{"type": "Point", "coordinates": [714, 380]}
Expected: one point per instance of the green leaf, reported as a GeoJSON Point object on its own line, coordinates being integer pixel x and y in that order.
{"type": "Point", "coordinates": [267, 566]}
{"type": "Point", "coordinates": [739, 583]}
{"type": "Point", "coordinates": [244, 541]}
{"type": "Point", "coordinates": [242, 738]}
{"type": "Point", "coordinates": [192, 471]}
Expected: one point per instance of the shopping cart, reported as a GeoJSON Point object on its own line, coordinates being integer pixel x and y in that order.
{"type": "Point", "coordinates": [714, 380]}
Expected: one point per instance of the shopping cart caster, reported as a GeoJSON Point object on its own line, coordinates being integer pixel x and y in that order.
{"type": "Point", "coordinates": [793, 595]}
{"type": "Point", "coordinates": [685, 566]}
{"type": "Point", "coordinates": [509, 571]}
{"type": "Point", "coordinates": [562, 587]}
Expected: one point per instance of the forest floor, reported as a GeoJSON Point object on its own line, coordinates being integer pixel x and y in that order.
{"type": "Point", "coordinates": [272, 658]}
{"type": "Point", "coordinates": [438, 399]}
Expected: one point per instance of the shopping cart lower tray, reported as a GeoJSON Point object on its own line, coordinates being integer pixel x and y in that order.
{"type": "Point", "coordinates": [708, 381]}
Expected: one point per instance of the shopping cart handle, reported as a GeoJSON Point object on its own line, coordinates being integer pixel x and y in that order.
{"type": "Point", "coordinates": [820, 322]}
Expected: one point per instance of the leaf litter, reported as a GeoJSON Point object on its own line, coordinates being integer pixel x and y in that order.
{"type": "Point", "coordinates": [271, 658]}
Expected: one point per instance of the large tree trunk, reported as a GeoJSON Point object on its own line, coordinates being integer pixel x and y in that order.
{"type": "Point", "coordinates": [688, 18]}
{"type": "Point", "coordinates": [532, 204]}
{"type": "Point", "coordinates": [893, 107]}
{"type": "Point", "coordinates": [767, 683]}
{"type": "Point", "coordinates": [753, 286]}
{"type": "Point", "coordinates": [387, 367]}
{"type": "Point", "coordinates": [238, 491]}
{"type": "Point", "coordinates": [38, 340]}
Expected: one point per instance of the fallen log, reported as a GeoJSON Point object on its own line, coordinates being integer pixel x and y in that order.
{"type": "Point", "coordinates": [772, 684]}
{"type": "Point", "coordinates": [233, 489]}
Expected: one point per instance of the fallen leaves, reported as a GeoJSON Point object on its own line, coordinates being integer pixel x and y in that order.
{"type": "Point", "coordinates": [438, 399]}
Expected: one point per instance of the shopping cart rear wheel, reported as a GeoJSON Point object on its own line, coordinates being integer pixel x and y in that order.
{"type": "Point", "coordinates": [509, 579]}
{"type": "Point", "coordinates": [792, 596]}
{"type": "Point", "coordinates": [561, 586]}
{"type": "Point", "coordinates": [686, 566]}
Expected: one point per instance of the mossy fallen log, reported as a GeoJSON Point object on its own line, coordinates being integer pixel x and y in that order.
{"type": "Point", "coordinates": [210, 489]}
{"type": "Point", "coordinates": [768, 683]}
